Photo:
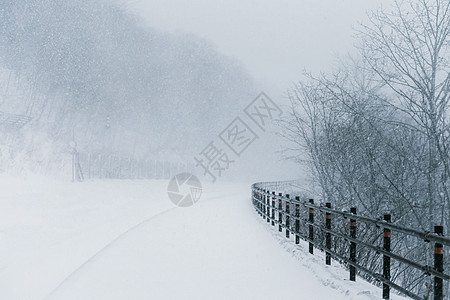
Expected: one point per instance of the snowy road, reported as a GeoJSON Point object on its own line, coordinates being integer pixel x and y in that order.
{"type": "Point", "coordinates": [125, 240]}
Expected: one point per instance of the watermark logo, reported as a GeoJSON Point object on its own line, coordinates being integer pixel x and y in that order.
{"type": "Point", "coordinates": [224, 151]}
{"type": "Point", "coordinates": [262, 110]}
{"type": "Point", "coordinates": [237, 137]}
{"type": "Point", "coordinates": [184, 189]}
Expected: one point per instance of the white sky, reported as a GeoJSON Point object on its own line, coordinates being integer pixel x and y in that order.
{"type": "Point", "coordinates": [274, 39]}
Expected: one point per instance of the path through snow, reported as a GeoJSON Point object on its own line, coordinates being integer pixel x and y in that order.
{"type": "Point", "coordinates": [125, 240]}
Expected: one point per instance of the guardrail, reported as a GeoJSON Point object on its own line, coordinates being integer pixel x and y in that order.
{"type": "Point", "coordinates": [356, 241]}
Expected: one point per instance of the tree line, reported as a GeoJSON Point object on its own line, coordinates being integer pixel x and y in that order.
{"type": "Point", "coordinates": [375, 131]}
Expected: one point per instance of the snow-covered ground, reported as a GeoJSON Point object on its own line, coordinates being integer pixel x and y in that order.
{"type": "Point", "coordinates": [121, 239]}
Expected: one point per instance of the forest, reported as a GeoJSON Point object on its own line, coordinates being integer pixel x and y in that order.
{"type": "Point", "coordinates": [375, 132]}
{"type": "Point", "coordinates": [90, 72]}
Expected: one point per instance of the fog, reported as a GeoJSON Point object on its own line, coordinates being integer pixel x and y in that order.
{"type": "Point", "coordinates": [159, 80]}
{"type": "Point", "coordinates": [275, 40]}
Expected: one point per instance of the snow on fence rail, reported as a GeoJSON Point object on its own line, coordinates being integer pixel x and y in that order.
{"type": "Point", "coordinates": [376, 249]}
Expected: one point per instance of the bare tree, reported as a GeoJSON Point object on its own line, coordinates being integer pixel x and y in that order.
{"type": "Point", "coordinates": [409, 50]}
{"type": "Point", "coordinates": [376, 132]}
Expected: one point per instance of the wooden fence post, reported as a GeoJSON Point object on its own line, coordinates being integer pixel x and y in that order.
{"type": "Point", "coordinates": [273, 208]}
{"type": "Point", "coordinates": [288, 216]}
{"type": "Point", "coordinates": [328, 234]}
{"type": "Point", "coordinates": [268, 206]}
{"type": "Point", "coordinates": [259, 202]}
{"type": "Point", "coordinates": [311, 228]}
{"type": "Point", "coordinates": [263, 207]}
{"type": "Point", "coordinates": [280, 213]}
{"type": "Point", "coordinates": [386, 259]}
{"type": "Point", "coordinates": [438, 264]}
{"type": "Point", "coordinates": [353, 245]}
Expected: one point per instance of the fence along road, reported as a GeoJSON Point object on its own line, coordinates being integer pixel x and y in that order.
{"type": "Point", "coordinates": [336, 232]}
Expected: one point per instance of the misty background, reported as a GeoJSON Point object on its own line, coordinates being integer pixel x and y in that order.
{"type": "Point", "coordinates": [157, 80]}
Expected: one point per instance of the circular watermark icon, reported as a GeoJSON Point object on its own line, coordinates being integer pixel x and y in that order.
{"type": "Point", "coordinates": [184, 189]}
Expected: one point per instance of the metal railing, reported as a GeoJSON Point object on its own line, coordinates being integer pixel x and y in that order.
{"type": "Point", "coordinates": [369, 253]}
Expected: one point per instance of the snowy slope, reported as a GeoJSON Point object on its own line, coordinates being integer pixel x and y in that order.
{"type": "Point", "coordinates": [125, 240]}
